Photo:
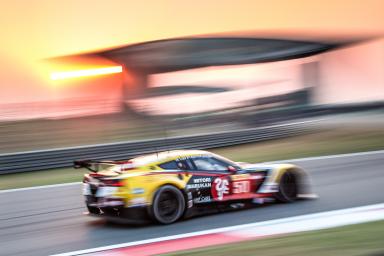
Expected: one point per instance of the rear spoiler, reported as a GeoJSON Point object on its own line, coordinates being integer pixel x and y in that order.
{"type": "Point", "coordinates": [88, 164]}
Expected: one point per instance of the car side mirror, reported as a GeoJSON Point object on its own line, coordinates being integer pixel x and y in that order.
{"type": "Point", "coordinates": [232, 169]}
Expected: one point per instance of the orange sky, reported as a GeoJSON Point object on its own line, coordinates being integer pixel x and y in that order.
{"type": "Point", "coordinates": [37, 29]}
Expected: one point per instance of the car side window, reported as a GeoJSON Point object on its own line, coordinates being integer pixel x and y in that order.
{"type": "Point", "coordinates": [203, 164]}
{"type": "Point", "coordinates": [185, 164]}
{"type": "Point", "coordinates": [171, 165]}
{"type": "Point", "coordinates": [218, 164]}
{"type": "Point", "coordinates": [209, 164]}
{"type": "Point", "coordinates": [175, 165]}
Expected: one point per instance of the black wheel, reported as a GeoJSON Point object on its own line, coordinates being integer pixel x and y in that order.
{"type": "Point", "coordinates": [287, 188]}
{"type": "Point", "coordinates": [168, 205]}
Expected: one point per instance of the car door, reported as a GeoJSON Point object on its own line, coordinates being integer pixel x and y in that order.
{"type": "Point", "coordinates": [205, 175]}
{"type": "Point", "coordinates": [227, 181]}
{"type": "Point", "coordinates": [235, 185]}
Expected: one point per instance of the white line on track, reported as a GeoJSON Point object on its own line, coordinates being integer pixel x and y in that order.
{"type": "Point", "coordinates": [40, 187]}
{"type": "Point", "coordinates": [278, 161]}
{"type": "Point", "coordinates": [331, 156]}
{"type": "Point", "coordinates": [349, 216]}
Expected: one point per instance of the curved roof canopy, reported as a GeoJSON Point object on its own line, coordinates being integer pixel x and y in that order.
{"type": "Point", "coordinates": [186, 53]}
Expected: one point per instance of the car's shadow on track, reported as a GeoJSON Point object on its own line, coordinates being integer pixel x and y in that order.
{"type": "Point", "coordinates": [198, 217]}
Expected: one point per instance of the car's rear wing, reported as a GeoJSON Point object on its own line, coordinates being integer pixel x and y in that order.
{"type": "Point", "coordinates": [92, 165]}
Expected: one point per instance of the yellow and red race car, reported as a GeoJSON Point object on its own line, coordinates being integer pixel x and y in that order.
{"type": "Point", "coordinates": [170, 185]}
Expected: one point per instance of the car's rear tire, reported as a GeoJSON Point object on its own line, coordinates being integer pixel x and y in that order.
{"type": "Point", "coordinates": [288, 188]}
{"type": "Point", "coordinates": [168, 205]}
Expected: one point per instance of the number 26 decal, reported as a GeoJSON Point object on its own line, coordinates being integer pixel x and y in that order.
{"type": "Point", "coordinates": [221, 187]}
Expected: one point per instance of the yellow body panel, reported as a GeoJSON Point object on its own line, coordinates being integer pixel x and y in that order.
{"type": "Point", "coordinates": [141, 183]}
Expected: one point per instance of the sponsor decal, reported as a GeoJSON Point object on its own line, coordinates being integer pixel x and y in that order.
{"type": "Point", "coordinates": [201, 185]}
{"type": "Point", "coordinates": [139, 201]}
{"type": "Point", "coordinates": [220, 188]}
{"type": "Point", "coordinates": [137, 191]}
{"type": "Point", "coordinates": [200, 182]}
{"type": "Point", "coordinates": [202, 199]}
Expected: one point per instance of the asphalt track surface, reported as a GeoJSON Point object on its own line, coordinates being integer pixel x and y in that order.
{"type": "Point", "coordinates": [50, 220]}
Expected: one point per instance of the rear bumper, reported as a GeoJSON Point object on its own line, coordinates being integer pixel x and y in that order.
{"type": "Point", "coordinates": [101, 202]}
{"type": "Point", "coordinates": [114, 210]}
{"type": "Point", "coordinates": [120, 214]}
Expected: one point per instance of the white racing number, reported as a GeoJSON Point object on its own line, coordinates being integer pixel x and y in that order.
{"type": "Point", "coordinates": [222, 187]}
{"type": "Point", "coordinates": [241, 187]}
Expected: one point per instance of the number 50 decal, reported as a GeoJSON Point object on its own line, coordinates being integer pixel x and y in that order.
{"type": "Point", "coordinates": [241, 187]}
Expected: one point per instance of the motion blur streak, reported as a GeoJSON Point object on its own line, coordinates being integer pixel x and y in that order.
{"type": "Point", "coordinates": [87, 72]}
{"type": "Point", "coordinates": [257, 230]}
{"type": "Point", "coordinates": [53, 226]}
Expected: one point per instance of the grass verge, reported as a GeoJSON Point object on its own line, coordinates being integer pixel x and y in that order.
{"type": "Point", "coordinates": [323, 142]}
{"type": "Point", "coordinates": [360, 239]}
{"type": "Point", "coordinates": [40, 178]}
{"type": "Point", "coordinates": [320, 142]}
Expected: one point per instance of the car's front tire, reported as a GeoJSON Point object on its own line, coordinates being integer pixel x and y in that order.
{"type": "Point", "coordinates": [168, 205]}
{"type": "Point", "coordinates": [288, 188]}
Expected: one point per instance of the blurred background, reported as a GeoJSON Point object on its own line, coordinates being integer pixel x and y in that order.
{"type": "Point", "coordinates": [84, 72]}
{"type": "Point", "coordinates": [251, 80]}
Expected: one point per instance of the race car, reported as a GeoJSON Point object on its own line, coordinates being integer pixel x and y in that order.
{"type": "Point", "coordinates": [171, 185]}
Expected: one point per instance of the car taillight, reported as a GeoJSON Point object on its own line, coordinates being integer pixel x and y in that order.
{"type": "Point", "coordinates": [96, 175]}
{"type": "Point", "coordinates": [113, 183]}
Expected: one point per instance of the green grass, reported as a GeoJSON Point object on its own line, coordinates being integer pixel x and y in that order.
{"type": "Point", "coordinates": [45, 134]}
{"type": "Point", "coordinates": [361, 239]}
{"type": "Point", "coordinates": [39, 178]}
{"type": "Point", "coordinates": [323, 142]}
{"type": "Point", "coordinates": [331, 141]}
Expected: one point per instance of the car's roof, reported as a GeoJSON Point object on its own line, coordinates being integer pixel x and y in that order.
{"type": "Point", "coordinates": [167, 156]}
